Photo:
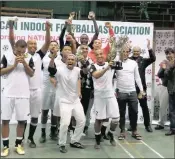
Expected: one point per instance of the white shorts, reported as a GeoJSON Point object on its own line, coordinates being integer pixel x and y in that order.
{"type": "Point", "coordinates": [106, 108]}
{"type": "Point", "coordinates": [48, 100]}
{"type": "Point", "coordinates": [21, 106]}
{"type": "Point", "coordinates": [35, 102]}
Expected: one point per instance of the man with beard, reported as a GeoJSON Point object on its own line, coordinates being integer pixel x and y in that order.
{"type": "Point", "coordinates": [18, 67]}
{"type": "Point", "coordinates": [35, 81]}
{"type": "Point", "coordinates": [169, 73]}
{"type": "Point", "coordinates": [68, 79]}
{"type": "Point", "coordinates": [84, 62]}
{"type": "Point", "coordinates": [84, 39]}
{"type": "Point", "coordinates": [143, 63]}
{"type": "Point", "coordinates": [105, 103]}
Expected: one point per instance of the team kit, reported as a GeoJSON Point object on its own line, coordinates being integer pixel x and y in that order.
{"type": "Point", "coordinates": [75, 77]}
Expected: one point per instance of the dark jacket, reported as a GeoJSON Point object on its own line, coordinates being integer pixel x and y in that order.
{"type": "Point", "coordinates": [161, 75]}
{"type": "Point", "coordinates": [143, 63]}
{"type": "Point", "coordinates": [170, 75]}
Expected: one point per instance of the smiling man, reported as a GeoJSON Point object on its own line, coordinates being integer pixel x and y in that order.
{"type": "Point", "coordinates": [105, 103]}
{"type": "Point", "coordinates": [143, 63]}
{"type": "Point", "coordinates": [69, 90]}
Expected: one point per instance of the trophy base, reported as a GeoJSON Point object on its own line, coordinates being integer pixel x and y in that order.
{"type": "Point", "coordinates": [117, 66]}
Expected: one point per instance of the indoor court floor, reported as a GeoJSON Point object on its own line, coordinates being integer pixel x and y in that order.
{"type": "Point", "coordinates": [153, 145]}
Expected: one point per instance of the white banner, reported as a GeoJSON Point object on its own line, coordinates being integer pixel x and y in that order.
{"type": "Point", "coordinates": [33, 28]}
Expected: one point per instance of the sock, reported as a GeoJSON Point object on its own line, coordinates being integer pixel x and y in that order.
{"type": "Point", "coordinates": [18, 141]}
{"type": "Point", "coordinates": [43, 131]}
{"type": "Point", "coordinates": [103, 130]}
{"type": "Point", "coordinates": [98, 138]}
{"type": "Point", "coordinates": [110, 134]}
{"type": "Point", "coordinates": [31, 131]}
{"type": "Point", "coordinates": [53, 129]}
{"type": "Point", "coordinates": [24, 130]}
{"type": "Point", "coordinates": [6, 142]}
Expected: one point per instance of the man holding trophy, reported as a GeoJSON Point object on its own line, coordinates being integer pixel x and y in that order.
{"type": "Point", "coordinates": [126, 92]}
{"type": "Point", "coordinates": [105, 103]}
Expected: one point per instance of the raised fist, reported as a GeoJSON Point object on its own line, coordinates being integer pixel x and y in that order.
{"type": "Point", "coordinates": [91, 15]}
{"type": "Point", "coordinates": [48, 25]}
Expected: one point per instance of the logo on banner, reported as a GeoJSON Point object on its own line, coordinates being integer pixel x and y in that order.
{"type": "Point", "coordinates": [167, 35]}
{"type": "Point", "coordinates": [149, 84]}
{"type": "Point", "coordinates": [143, 51]}
{"type": "Point", "coordinates": [171, 42]}
{"type": "Point", "coordinates": [159, 49]}
{"type": "Point", "coordinates": [148, 98]}
{"type": "Point", "coordinates": [149, 71]}
{"type": "Point", "coordinates": [163, 42]}
{"type": "Point", "coordinates": [159, 35]}
{"type": "Point", "coordinates": [5, 47]}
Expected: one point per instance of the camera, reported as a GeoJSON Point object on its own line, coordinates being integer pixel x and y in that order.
{"type": "Point", "coordinates": [117, 65]}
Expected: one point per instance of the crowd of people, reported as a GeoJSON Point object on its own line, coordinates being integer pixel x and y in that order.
{"type": "Point", "coordinates": [71, 85]}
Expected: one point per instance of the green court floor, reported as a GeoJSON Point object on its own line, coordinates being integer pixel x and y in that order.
{"type": "Point", "coordinates": [153, 145]}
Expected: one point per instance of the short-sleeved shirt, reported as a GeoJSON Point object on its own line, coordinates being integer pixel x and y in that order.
{"type": "Point", "coordinates": [68, 83]}
{"type": "Point", "coordinates": [17, 81]}
{"type": "Point", "coordinates": [103, 87]}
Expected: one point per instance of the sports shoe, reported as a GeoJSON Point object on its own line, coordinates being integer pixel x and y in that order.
{"type": "Point", "coordinates": [19, 150]}
{"type": "Point", "coordinates": [31, 143]}
{"type": "Point", "coordinates": [5, 152]}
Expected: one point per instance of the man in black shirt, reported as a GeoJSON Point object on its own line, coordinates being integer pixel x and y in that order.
{"type": "Point", "coordinates": [143, 63]}
{"type": "Point", "coordinates": [84, 37]}
{"type": "Point", "coordinates": [84, 62]}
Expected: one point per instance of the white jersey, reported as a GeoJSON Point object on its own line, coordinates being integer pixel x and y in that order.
{"type": "Point", "coordinates": [35, 81]}
{"type": "Point", "coordinates": [103, 87]}
{"type": "Point", "coordinates": [68, 84]}
{"type": "Point", "coordinates": [47, 85]}
{"type": "Point", "coordinates": [17, 81]}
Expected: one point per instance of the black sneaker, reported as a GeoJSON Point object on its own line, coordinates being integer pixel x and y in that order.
{"type": "Point", "coordinates": [63, 149]}
{"type": "Point", "coordinates": [111, 138]}
{"type": "Point", "coordinates": [159, 127]}
{"type": "Point", "coordinates": [31, 143]}
{"type": "Point", "coordinates": [170, 133]}
{"type": "Point", "coordinates": [149, 129]}
{"type": "Point", "coordinates": [77, 145]}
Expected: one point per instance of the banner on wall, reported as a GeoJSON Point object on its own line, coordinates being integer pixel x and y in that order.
{"type": "Point", "coordinates": [34, 29]}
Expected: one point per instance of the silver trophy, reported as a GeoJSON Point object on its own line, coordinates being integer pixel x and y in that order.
{"type": "Point", "coordinates": [122, 40]}
{"type": "Point", "coordinates": [71, 28]}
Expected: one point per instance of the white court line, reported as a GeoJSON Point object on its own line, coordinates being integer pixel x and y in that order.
{"type": "Point", "coordinates": [150, 148]}
{"type": "Point", "coordinates": [128, 153]}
